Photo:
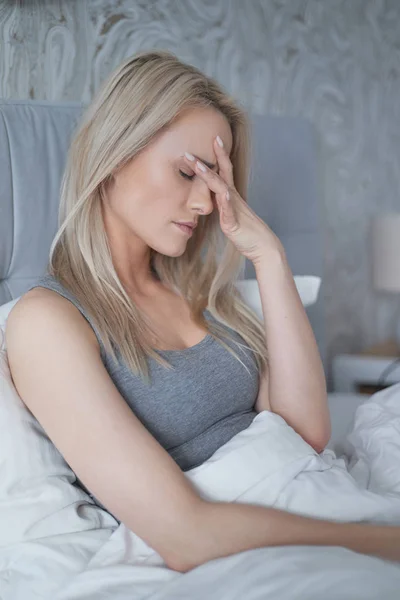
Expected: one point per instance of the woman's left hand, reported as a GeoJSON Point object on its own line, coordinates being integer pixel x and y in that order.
{"type": "Point", "coordinates": [250, 234]}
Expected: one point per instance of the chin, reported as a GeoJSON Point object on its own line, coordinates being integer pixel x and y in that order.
{"type": "Point", "coordinates": [171, 251]}
{"type": "Point", "coordinates": [177, 252]}
{"type": "Point", "coordinates": [172, 248]}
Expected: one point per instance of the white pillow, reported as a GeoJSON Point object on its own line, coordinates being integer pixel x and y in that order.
{"type": "Point", "coordinates": [5, 309]}
{"type": "Point", "coordinates": [4, 312]}
{"type": "Point", "coordinates": [307, 286]}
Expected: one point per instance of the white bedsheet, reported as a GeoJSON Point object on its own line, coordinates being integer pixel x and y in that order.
{"type": "Point", "coordinates": [268, 464]}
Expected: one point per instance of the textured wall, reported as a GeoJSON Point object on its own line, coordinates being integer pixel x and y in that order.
{"type": "Point", "coordinates": [334, 62]}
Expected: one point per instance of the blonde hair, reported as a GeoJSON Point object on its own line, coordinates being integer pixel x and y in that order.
{"type": "Point", "coordinates": [140, 97]}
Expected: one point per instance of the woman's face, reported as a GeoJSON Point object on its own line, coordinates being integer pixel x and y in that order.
{"type": "Point", "coordinates": [157, 188]}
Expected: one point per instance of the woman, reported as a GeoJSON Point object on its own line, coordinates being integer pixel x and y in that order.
{"type": "Point", "coordinates": [135, 380]}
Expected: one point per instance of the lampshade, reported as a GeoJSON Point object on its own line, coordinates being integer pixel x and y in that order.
{"type": "Point", "coordinates": [386, 252]}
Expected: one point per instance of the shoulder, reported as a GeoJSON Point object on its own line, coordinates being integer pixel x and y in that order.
{"type": "Point", "coordinates": [43, 313]}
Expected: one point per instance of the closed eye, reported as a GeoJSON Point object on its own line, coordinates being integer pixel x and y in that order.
{"type": "Point", "coordinates": [185, 175]}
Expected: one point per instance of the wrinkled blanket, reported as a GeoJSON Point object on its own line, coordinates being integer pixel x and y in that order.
{"type": "Point", "coordinates": [267, 464]}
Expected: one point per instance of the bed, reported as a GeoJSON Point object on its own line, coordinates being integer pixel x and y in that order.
{"type": "Point", "coordinates": [284, 191]}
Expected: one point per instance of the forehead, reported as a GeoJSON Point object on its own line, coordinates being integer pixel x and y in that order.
{"type": "Point", "coordinates": [194, 131]}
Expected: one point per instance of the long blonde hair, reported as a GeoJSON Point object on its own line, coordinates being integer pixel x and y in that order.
{"type": "Point", "coordinates": [140, 97]}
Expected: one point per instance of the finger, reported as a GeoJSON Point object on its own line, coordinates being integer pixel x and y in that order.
{"type": "Point", "coordinates": [213, 180]}
{"type": "Point", "coordinates": [228, 212]}
{"type": "Point", "coordinates": [224, 162]}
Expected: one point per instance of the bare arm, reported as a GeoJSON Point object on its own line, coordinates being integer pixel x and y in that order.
{"type": "Point", "coordinates": [227, 528]}
{"type": "Point", "coordinates": [296, 378]}
{"type": "Point", "coordinates": [56, 367]}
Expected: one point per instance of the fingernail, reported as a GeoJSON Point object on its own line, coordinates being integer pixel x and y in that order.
{"type": "Point", "coordinates": [201, 166]}
{"type": "Point", "coordinates": [189, 156]}
{"type": "Point", "coordinates": [220, 142]}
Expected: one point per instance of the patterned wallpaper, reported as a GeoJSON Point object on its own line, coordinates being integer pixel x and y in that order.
{"type": "Point", "coordinates": [335, 62]}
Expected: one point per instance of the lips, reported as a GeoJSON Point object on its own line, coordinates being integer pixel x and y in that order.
{"type": "Point", "coordinates": [191, 225]}
{"type": "Point", "coordinates": [185, 228]}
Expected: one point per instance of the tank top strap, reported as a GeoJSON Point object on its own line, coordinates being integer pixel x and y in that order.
{"type": "Point", "coordinates": [51, 283]}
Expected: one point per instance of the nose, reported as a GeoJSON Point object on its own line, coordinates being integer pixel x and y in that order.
{"type": "Point", "coordinates": [201, 199]}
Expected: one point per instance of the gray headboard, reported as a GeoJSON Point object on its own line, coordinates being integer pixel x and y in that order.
{"type": "Point", "coordinates": [34, 138]}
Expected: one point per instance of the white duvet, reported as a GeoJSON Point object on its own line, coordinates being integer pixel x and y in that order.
{"type": "Point", "coordinates": [267, 464]}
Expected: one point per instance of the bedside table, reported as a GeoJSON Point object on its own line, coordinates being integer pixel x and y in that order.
{"type": "Point", "coordinates": [360, 373]}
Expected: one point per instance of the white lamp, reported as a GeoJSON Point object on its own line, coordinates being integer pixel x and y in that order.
{"type": "Point", "coordinates": [386, 258]}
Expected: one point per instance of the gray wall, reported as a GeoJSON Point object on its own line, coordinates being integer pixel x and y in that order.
{"type": "Point", "coordinates": [334, 62]}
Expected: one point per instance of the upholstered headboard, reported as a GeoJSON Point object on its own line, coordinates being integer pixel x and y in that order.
{"type": "Point", "coordinates": [34, 138]}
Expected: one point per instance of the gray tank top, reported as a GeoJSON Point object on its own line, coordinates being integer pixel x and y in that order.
{"type": "Point", "coordinates": [195, 408]}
